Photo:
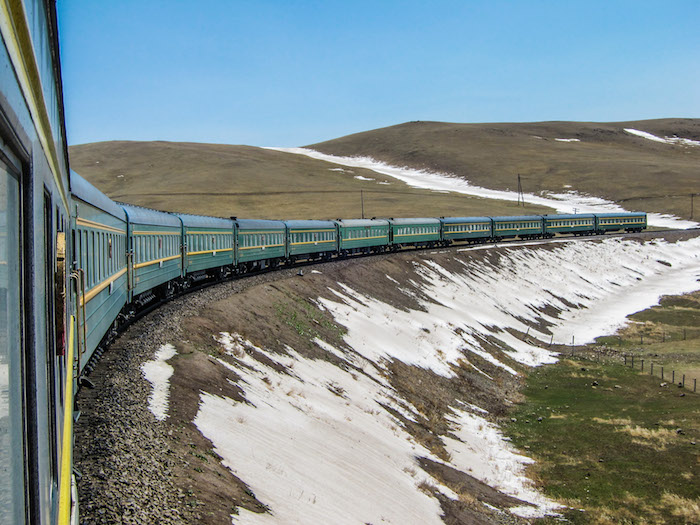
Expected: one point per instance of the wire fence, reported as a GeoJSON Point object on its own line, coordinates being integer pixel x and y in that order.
{"type": "Point", "coordinates": [643, 364]}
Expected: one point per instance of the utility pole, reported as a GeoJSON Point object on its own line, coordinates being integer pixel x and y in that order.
{"type": "Point", "coordinates": [691, 205]}
{"type": "Point", "coordinates": [521, 197]}
{"type": "Point", "coordinates": [362, 202]}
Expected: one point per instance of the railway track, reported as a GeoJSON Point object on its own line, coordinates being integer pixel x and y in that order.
{"type": "Point", "coordinates": [300, 265]}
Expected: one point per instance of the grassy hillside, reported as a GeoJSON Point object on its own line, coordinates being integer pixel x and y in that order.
{"type": "Point", "coordinates": [606, 161]}
{"type": "Point", "coordinates": [245, 181]}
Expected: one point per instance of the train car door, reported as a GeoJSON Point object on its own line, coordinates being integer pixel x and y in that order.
{"type": "Point", "coordinates": [16, 384]}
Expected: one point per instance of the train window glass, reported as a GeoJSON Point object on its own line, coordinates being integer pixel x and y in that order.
{"type": "Point", "coordinates": [50, 342]}
{"type": "Point", "coordinates": [11, 427]}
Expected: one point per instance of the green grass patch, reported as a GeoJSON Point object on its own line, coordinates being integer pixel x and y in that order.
{"type": "Point", "coordinates": [608, 443]}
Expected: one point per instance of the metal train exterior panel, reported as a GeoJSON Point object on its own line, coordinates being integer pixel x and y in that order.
{"type": "Point", "coordinates": [99, 240]}
{"type": "Point", "coordinates": [209, 243]}
{"type": "Point", "coordinates": [524, 226]}
{"type": "Point", "coordinates": [259, 242]}
{"type": "Point", "coordinates": [466, 228]}
{"type": "Point", "coordinates": [419, 232]}
{"type": "Point", "coordinates": [607, 222]}
{"type": "Point", "coordinates": [359, 235]}
{"type": "Point", "coordinates": [574, 224]}
{"type": "Point", "coordinates": [311, 239]}
{"type": "Point", "coordinates": [155, 248]}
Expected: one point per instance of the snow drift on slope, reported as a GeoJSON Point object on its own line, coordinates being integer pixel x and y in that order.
{"type": "Point", "coordinates": [569, 202]}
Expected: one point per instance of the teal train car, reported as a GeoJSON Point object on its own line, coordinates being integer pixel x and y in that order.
{"type": "Point", "coordinates": [311, 239]}
{"type": "Point", "coordinates": [580, 224]}
{"type": "Point", "coordinates": [99, 238]}
{"type": "Point", "coordinates": [154, 257]}
{"type": "Point", "coordinates": [209, 243]}
{"type": "Point", "coordinates": [471, 229]}
{"type": "Point", "coordinates": [629, 222]}
{"type": "Point", "coordinates": [523, 226]}
{"type": "Point", "coordinates": [415, 232]}
{"type": "Point", "coordinates": [259, 243]}
{"type": "Point", "coordinates": [362, 235]}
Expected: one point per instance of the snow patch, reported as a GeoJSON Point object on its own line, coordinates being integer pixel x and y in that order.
{"type": "Point", "coordinates": [568, 202]}
{"type": "Point", "coordinates": [158, 373]}
{"type": "Point", "coordinates": [665, 140]}
{"type": "Point", "coordinates": [360, 177]}
{"type": "Point", "coordinates": [318, 447]}
{"type": "Point", "coordinates": [568, 140]}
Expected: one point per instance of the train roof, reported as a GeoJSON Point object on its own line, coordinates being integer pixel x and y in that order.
{"type": "Point", "coordinates": [422, 220]}
{"type": "Point", "coordinates": [454, 220]}
{"type": "Point", "coordinates": [620, 214]}
{"type": "Point", "coordinates": [569, 216]}
{"type": "Point", "coordinates": [149, 217]}
{"type": "Point", "coordinates": [353, 223]}
{"type": "Point", "coordinates": [310, 224]}
{"type": "Point", "coordinates": [86, 192]}
{"type": "Point", "coordinates": [518, 218]}
{"type": "Point", "coordinates": [200, 221]}
{"type": "Point", "coordinates": [259, 224]}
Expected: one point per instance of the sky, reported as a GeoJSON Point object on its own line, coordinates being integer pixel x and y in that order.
{"type": "Point", "coordinates": [295, 72]}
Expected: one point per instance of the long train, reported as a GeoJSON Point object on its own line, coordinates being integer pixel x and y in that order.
{"type": "Point", "coordinates": [74, 264]}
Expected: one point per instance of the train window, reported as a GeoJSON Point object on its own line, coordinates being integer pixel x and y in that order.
{"type": "Point", "coordinates": [11, 347]}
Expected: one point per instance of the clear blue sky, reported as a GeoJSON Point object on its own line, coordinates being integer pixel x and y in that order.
{"type": "Point", "coordinates": [294, 72]}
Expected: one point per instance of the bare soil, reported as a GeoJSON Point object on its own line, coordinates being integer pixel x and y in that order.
{"type": "Point", "coordinates": [136, 469]}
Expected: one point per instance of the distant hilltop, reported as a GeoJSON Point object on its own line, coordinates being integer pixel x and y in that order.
{"type": "Point", "coordinates": [649, 165]}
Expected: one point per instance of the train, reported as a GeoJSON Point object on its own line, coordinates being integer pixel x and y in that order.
{"type": "Point", "coordinates": [75, 265]}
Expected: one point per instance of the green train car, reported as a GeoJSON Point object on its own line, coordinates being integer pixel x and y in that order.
{"type": "Point", "coordinates": [311, 240]}
{"type": "Point", "coordinates": [416, 232]}
{"type": "Point", "coordinates": [472, 229]}
{"type": "Point", "coordinates": [524, 226]}
{"type": "Point", "coordinates": [209, 244]}
{"type": "Point", "coordinates": [259, 244]}
{"type": "Point", "coordinates": [629, 222]}
{"type": "Point", "coordinates": [362, 235]}
{"type": "Point", "coordinates": [583, 224]}
{"type": "Point", "coordinates": [154, 256]}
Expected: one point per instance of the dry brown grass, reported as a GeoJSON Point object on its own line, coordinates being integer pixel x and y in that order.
{"type": "Point", "coordinates": [684, 508]}
{"type": "Point", "coordinates": [607, 162]}
{"type": "Point", "coordinates": [249, 182]}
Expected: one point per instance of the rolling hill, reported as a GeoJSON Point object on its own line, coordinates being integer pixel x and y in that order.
{"type": "Point", "coordinates": [600, 159]}
{"type": "Point", "coordinates": [223, 180]}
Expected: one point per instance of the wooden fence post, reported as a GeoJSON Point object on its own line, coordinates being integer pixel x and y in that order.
{"type": "Point", "coordinates": [642, 365]}
{"type": "Point", "coordinates": [651, 371]}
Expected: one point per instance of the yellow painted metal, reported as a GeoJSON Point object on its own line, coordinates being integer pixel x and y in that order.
{"type": "Point", "coordinates": [64, 491]}
{"type": "Point", "coordinates": [18, 41]}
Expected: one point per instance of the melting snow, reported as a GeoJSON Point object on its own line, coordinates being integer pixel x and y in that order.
{"type": "Point", "coordinates": [317, 446]}
{"type": "Point", "coordinates": [568, 140]}
{"type": "Point", "coordinates": [568, 202]}
{"type": "Point", "coordinates": [665, 140]}
{"type": "Point", "coordinates": [323, 450]}
{"type": "Point", "coordinates": [158, 372]}
{"type": "Point", "coordinates": [360, 177]}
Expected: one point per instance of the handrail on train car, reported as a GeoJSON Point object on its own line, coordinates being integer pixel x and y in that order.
{"type": "Point", "coordinates": [65, 489]}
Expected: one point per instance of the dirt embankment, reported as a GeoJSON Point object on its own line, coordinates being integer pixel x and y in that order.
{"type": "Point", "coordinates": [135, 469]}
